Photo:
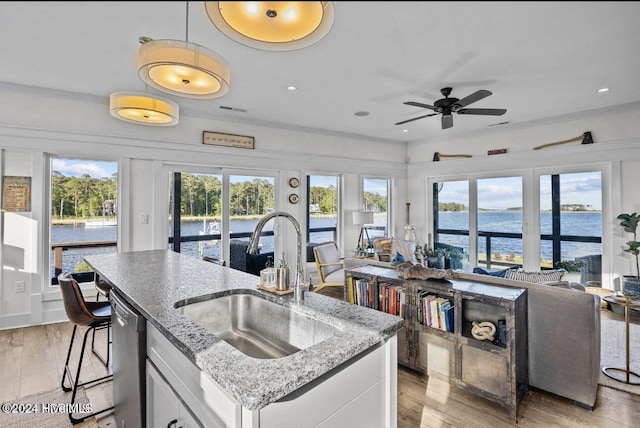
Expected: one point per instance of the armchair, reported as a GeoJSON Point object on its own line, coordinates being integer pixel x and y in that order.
{"type": "Point", "coordinates": [330, 266]}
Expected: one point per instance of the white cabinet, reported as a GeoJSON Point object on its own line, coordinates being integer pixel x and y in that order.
{"type": "Point", "coordinates": [164, 408]}
{"type": "Point", "coordinates": [360, 393]}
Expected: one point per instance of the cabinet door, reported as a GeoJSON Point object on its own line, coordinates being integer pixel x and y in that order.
{"type": "Point", "coordinates": [163, 405]}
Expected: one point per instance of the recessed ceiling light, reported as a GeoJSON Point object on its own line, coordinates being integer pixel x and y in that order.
{"type": "Point", "coordinates": [603, 90]}
{"type": "Point", "coordinates": [405, 130]}
{"type": "Point", "coordinates": [291, 88]}
{"type": "Point", "coordinates": [361, 113]}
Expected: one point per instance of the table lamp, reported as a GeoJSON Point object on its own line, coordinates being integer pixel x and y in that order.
{"type": "Point", "coordinates": [361, 218]}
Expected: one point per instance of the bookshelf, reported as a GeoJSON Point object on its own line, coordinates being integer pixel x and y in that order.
{"type": "Point", "coordinates": [445, 329]}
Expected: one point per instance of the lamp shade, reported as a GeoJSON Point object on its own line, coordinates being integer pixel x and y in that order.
{"type": "Point", "coordinates": [272, 25]}
{"type": "Point", "coordinates": [144, 109]}
{"type": "Point", "coordinates": [183, 68]}
{"type": "Point", "coordinates": [363, 217]}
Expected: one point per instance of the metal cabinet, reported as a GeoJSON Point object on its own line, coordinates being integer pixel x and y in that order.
{"type": "Point", "coordinates": [495, 367]}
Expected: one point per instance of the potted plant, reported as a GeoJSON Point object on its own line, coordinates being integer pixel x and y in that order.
{"type": "Point", "coordinates": [453, 259]}
{"type": "Point", "coordinates": [434, 257]}
{"type": "Point", "coordinates": [631, 284]}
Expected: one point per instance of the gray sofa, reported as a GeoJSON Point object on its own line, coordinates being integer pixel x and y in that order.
{"type": "Point", "coordinates": [563, 336]}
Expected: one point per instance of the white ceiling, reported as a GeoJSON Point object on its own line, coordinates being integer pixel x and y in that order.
{"type": "Point", "coordinates": [540, 60]}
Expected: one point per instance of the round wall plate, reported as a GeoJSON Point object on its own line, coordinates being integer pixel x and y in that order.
{"type": "Point", "coordinates": [294, 182]}
{"type": "Point", "coordinates": [293, 198]}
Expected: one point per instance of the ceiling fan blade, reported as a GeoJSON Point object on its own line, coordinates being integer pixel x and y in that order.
{"type": "Point", "coordinates": [483, 111]}
{"type": "Point", "coordinates": [416, 118]}
{"type": "Point", "coordinates": [415, 104]}
{"type": "Point", "coordinates": [447, 121]}
{"type": "Point", "coordinates": [476, 96]}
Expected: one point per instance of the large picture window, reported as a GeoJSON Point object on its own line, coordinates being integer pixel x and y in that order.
{"type": "Point", "coordinates": [83, 216]}
{"type": "Point", "coordinates": [491, 210]}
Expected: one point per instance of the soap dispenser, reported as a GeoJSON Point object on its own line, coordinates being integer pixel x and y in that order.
{"type": "Point", "coordinates": [282, 283]}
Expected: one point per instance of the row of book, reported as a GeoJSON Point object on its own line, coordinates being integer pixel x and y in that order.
{"type": "Point", "coordinates": [382, 296]}
{"type": "Point", "coordinates": [435, 311]}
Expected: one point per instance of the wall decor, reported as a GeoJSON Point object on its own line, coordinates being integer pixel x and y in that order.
{"type": "Point", "coordinates": [228, 140]}
{"type": "Point", "coordinates": [586, 138]}
{"type": "Point", "coordinates": [293, 198]}
{"type": "Point", "coordinates": [16, 194]}
{"type": "Point", "coordinates": [294, 182]}
{"type": "Point", "coordinates": [438, 155]}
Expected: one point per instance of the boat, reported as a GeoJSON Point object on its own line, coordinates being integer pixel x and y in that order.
{"type": "Point", "coordinates": [211, 228]}
{"type": "Point", "coordinates": [100, 223]}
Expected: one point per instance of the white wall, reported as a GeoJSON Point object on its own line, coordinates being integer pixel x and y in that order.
{"type": "Point", "coordinates": [37, 123]}
{"type": "Point", "coordinates": [616, 148]}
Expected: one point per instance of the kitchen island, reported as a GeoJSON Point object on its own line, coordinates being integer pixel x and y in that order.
{"type": "Point", "coordinates": [347, 379]}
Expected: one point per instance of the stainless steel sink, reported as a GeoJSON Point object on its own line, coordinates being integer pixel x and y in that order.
{"type": "Point", "coordinates": [257, 327]}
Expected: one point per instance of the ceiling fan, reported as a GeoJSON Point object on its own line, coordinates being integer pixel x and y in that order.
{"type": "Point", "coordinates": [446, 106]}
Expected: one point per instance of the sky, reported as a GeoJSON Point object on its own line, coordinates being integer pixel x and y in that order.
{"type": "Point", "coordinates": [78, 167]}
{"type": "Point", "coordinates": [502, 193]}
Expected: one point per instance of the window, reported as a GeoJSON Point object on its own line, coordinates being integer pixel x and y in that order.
{"type": "Point", "coordinates": [451, 213]}
{"type": "Point", "coordinates": [499, 216]}
{"type": "Point", "coordinates": [210, 211]}
{"type": "Point", "coordinates": [83, 214]}
{"type": "Point", "coordinates": [375, 197]}
{"type": "Point", "coordinates": [570, 221]}
{"type": "Point", "coordinates": [322, 208]}
{"type": "Point", "coordinates": [571, 224]}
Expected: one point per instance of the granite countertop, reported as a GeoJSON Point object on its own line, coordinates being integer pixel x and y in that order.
{"type": "Point", "coordinates": [154, 281]}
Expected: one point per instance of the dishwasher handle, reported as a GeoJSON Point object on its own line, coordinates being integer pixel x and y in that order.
{"type": "Point", "coordinates": [124, 314]}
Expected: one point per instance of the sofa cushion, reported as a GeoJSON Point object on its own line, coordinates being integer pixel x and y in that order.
{"type": "Point", "coordinates": [337, 276]}
{"type": "Point", "coordinates": [535, 276]}
{"type": "Point", "coordinates": [492, 272]}
{"type": "Point", "coordinates": [569, 285]}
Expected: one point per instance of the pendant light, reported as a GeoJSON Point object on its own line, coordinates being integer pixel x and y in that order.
{"type": "Point", "coordinates": [144, 109]}
{"type": "Point", "coordinates": [183, 68]}
{"type": "Point", "coordinates": [272, 25]}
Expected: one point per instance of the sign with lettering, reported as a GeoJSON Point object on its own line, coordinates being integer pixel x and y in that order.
{"type": "Point", "coordinates": [228, 140]}
{"type": "Point", "coordinates": [16, 194]}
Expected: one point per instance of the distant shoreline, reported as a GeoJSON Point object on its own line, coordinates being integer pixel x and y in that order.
{"type": "Point", "coordinates": [82, 221]}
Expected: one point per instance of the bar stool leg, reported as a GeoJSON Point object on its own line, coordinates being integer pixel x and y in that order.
{"type": "Point", "coordinates": [66, 373]}
{"type": "Point", "coordinates": [77, 383]}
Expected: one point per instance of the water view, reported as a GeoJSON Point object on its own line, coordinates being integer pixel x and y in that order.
{"type": "Point", "coordinates": [573, 223]}
{"type": "Point", "coordinates": [580, 224]}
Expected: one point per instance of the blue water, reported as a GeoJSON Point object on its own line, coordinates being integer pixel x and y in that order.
{"type": "Point", "coordinates": [572, 223]}
{"type": "Point", "coordinates": [72, 258]}
{"type": "Point", "coordinates": [581, 224]}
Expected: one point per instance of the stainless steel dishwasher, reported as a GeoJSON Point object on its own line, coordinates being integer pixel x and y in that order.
{"type": "Point", "coordinates": [129, 353]}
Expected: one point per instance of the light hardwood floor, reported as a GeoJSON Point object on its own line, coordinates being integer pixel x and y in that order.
{"type": "Point", "coordinates": [32, 360]}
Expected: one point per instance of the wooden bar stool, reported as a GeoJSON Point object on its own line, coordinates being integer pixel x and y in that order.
{"type": "Point", "coordinates": [95, 316]}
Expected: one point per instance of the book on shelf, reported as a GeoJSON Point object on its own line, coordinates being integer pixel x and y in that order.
{"type": "Point", "coordinates": [433, 311]}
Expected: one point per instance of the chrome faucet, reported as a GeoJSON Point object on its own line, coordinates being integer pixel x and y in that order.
{"type": "Point", "coordinates": [255, 239]}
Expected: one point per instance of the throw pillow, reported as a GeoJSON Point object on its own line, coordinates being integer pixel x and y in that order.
{"type": "Point", "coordinates": [497, 273]}
{"type": "Point", "coordinates": [535, 276]}
{"type": "Point", "coordinates": [398, 258]}
{"type": "Point", "coordinates": [406, 248]}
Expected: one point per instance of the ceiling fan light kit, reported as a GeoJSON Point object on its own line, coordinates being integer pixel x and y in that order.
{"type": "Point", "coordinates": [448, 105]}
{"type": "Point", "coordinates": [272, 25]}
